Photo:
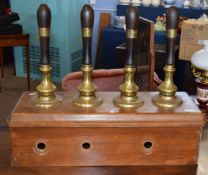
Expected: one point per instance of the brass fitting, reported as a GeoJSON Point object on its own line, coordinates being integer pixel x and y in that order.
{"type": "Point", "coordinates": [167, 91]}
{"type": "Point", "coordinates": [128, 97]}
{"type": "Point", "coordinates": [46, 90]}
{"type": "Point", "coordinates": [168, 88]}
{"type": "Point", "coordinates": [201, 74]}
{"type": "Point", "coordinates": [196, 72]}
{"type": "Point", "coordinates": [204, 77]}
{"type": "Point", "coordinates": [87, 89]}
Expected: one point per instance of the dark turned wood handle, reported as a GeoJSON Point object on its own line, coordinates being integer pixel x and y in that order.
{"type": "Point", "coordinates": [44, 24]}
{"type": "Point", "coordinates": [132, 22]}
{"type": "Point", "coordinates": [172, 21]}
{"type": "Point", "coordinates": [87, 22]}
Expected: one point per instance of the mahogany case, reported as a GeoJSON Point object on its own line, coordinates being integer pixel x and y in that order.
{"type": "Point", "coordinates": [66, 135]}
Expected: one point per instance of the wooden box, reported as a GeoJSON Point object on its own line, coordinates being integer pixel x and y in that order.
{"type": "Point", "coordinates": [106, 136]}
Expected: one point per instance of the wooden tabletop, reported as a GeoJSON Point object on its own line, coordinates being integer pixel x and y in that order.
{"type": "Point", "coordinates": [107, 115]}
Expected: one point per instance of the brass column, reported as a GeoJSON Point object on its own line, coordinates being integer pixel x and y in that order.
{"type": "Point", "coordinates": [46, 96]}
{"type": "Point", "coordinates": [167, 97]}
{"type": "Point", "coordinates": [128, 97]}
{"type": "Point", "coordinates": [87, 89]}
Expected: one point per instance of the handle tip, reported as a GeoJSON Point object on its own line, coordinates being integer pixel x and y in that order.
{"type": "Point", "coordinates": [44, 16]}
{"type": "Point", "coordinates": [132, 18]}
{"type": "Point", "coordinates": [172, 18]}
{"type": "Point", "coordinates": [87, 16]}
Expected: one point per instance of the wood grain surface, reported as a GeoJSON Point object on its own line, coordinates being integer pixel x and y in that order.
{"type": "Point", "coordinates": [105, 146]}
{"type": "Point", "coordinates": [6, 169]}
{"type": "Point", "coordinates": [105, 136]}
{"type": "Point", "coordinates": [107, 115]}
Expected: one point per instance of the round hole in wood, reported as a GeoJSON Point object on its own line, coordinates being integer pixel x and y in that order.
{"type": "Point", "coordinates": [148, 145]}
{"type": "Point", "coordinates": [40, 148]}
{"type": "Point", "coordinates": [86, 145]}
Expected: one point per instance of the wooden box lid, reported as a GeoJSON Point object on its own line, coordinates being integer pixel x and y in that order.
{"type": "Point", "coordinates": [26, 114]}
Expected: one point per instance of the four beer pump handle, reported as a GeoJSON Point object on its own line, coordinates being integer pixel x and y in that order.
{"type": "Point", "coordinates": [132, 22]}
{"type": "Point", "coordinates": [44, 23]}
{"type": "Point", "coordinates": [87, 22]}
{"type": "Point", "coordinates": [172, 21]}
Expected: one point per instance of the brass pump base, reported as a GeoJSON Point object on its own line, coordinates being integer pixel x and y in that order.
{"type": "Point", "coordinates": [167, 91]}
{"type": "Point", "coordinates": [128, 97]}
{"type": "Point", "coordinates": [128, 102]}
{"type": "Point", "coordinates": [166, 101]}
{"type": "Point", "coordinates": [87, 89]}
{"type": "Point", "coordinates": [46, 96]}
{"type": "Point", "coordinates": [47, 102]}
{"type": "Point", "coordinates": [87, 101]}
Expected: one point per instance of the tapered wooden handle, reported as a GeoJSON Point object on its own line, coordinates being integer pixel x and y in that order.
{"type": "Point", "coordinates": [44, 24]}
{"type": "Point", "coordinates": [87, 16]}
{"type": "Point", "coordinates": [44, 16]}
{"type": "Point", "coordinates": [132, 23]}
{"type": "Point", "coordinates": [172, 21]}
{"type": "Point", "coordinates": [87, 22]}
{"type": "Point", "coordinates": [172, 18]}
{"type": "Point", "coordinates": [132, 18]}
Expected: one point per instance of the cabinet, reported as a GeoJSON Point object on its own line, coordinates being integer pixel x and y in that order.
{"type": "Point", "coordinates": [106, 136]}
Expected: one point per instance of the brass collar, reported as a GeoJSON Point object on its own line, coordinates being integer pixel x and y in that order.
{"type": "Point", "coordinates": [171, 33]}
{"type": "Point", "coordinates": [131, 33]}
{"type": "Point", "coordinates": [87, 32]}
{"type": "Point", "coordinates": [44, 32]}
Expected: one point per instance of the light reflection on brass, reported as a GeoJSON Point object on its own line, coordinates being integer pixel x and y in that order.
{"type": "Point", "coordinates": [200, 73]}
{"type": "Point", "coordinates": [128, 97]}
{"type": "Point", "coordinates": [167, 91]}
{"type": "Point", "coordinates": [87, 32]}
{"type": "Point", "coordinates": [87, 89]}
{"type": "Point", "coordinates": [131, 33]}
{"type": "Point", "coordinates": [205, 77]}
{"type": "Point", "coordinates": [46, 90]}
{"type": "Point", "coordinates": [196, 72]}
{"type": "Point", "coordinates": [171, 33]}
{"type": "Point", "coordinates": [168, 88]}
{"type": "Point", "coordinates": [170, 102]}
{"type": "Point", "coordinates": [44, 32]}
